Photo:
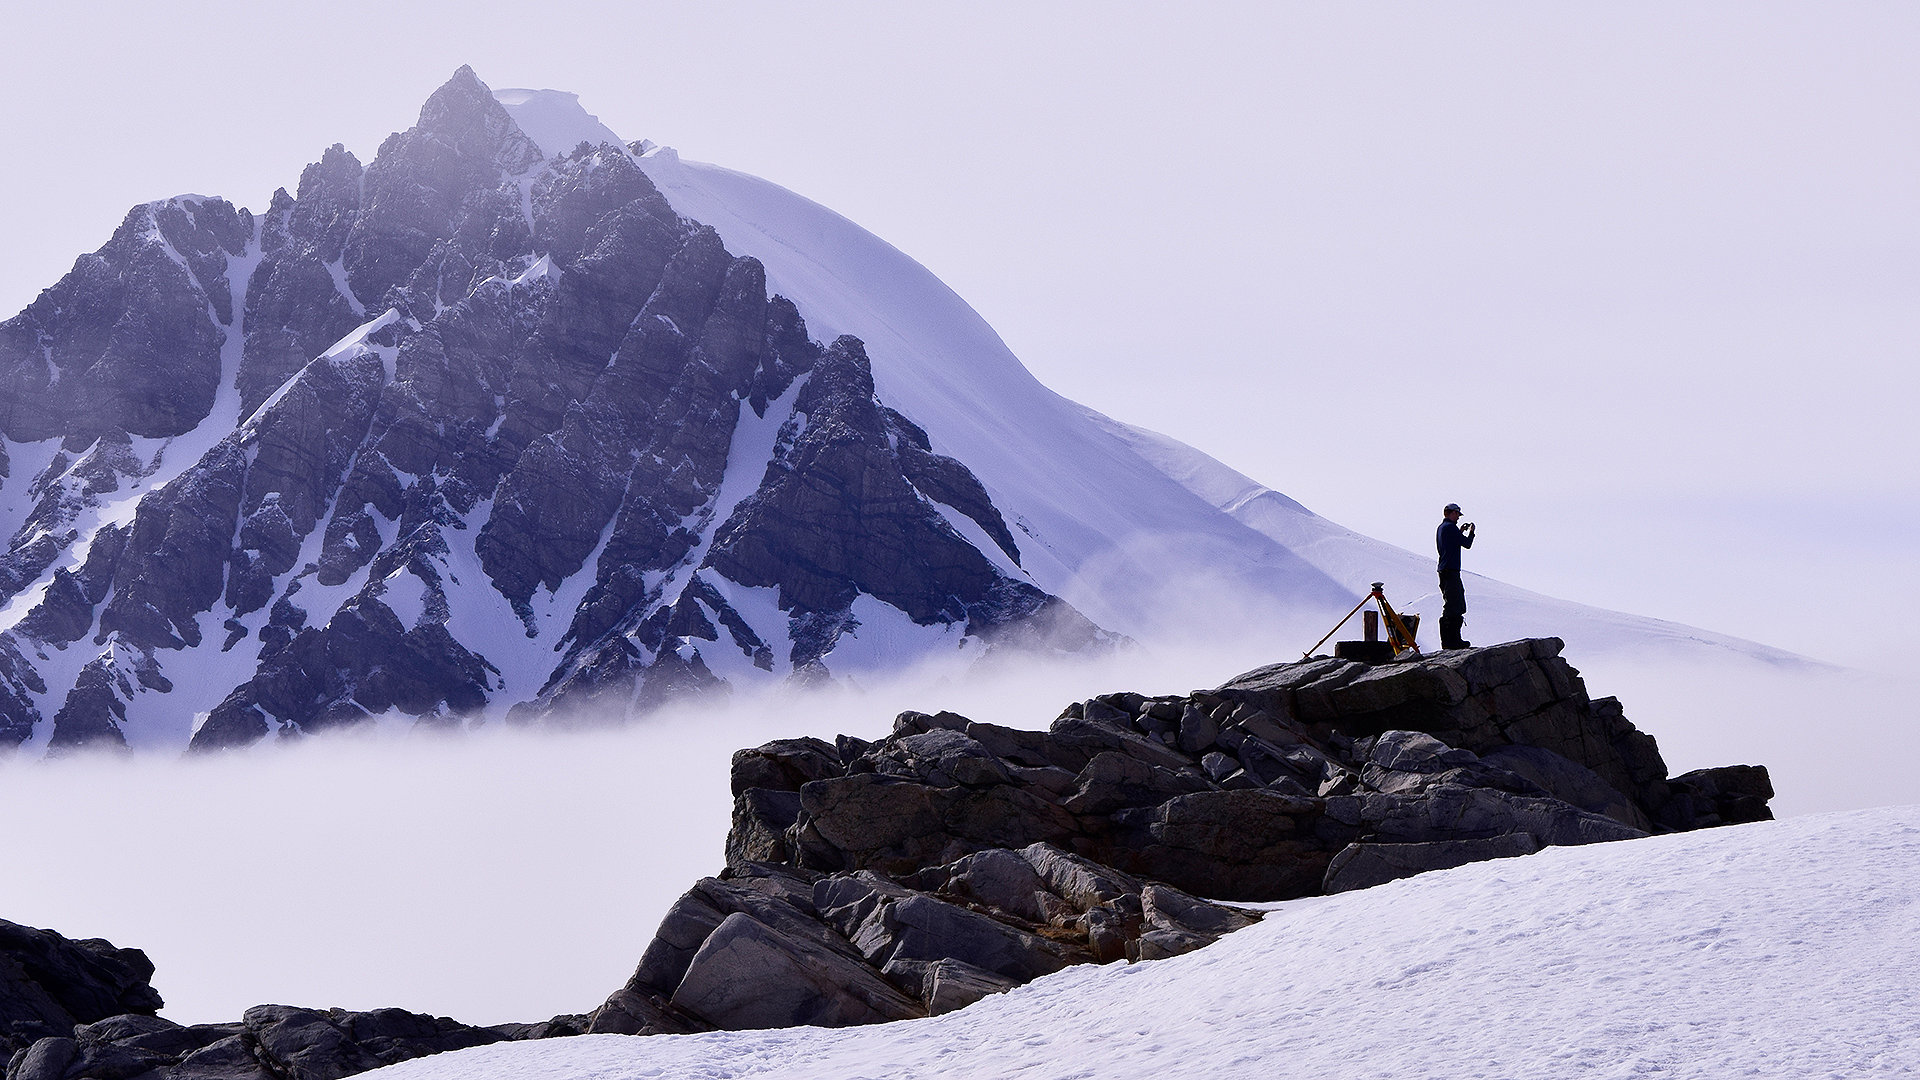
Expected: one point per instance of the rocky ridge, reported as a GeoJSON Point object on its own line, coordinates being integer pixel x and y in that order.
{"type": "Point", "coordinates": [955, 858]}
{"type": "Point", "coordinates": [477, 425]}
{"type": "Point", "coordinates": [87, 1010]}
{"type": "Point", "coordinates": [914, 875]}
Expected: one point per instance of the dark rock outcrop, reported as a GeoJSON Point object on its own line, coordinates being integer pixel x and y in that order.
{"type": "Point", "coordinates": [85, 1010]}
{"type": "Point", "coordinates": [271, 1042]}
{"type": "Point", "coordinates": [49, 983]}
{"type": "Point", "coordinates": [955, 858]}
{"type": "Point", "coordinates": [770, 946]}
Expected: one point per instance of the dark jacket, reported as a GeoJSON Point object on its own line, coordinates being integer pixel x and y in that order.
{"type": "Point", "coordinates": [1450, 540]}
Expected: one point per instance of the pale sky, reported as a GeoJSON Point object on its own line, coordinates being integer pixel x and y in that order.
{"type": "Point", "coordinates": [1635, 283]}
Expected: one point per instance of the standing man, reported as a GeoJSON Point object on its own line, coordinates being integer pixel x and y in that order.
{"type": "Point", "coordinates": [1451, 538]}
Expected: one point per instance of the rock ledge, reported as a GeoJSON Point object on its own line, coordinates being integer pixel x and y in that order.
{"type": "Point", "coordinates": [953, 859]}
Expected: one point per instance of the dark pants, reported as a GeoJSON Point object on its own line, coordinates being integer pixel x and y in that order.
{"type": "Point", "coordinates": [1453, 610]}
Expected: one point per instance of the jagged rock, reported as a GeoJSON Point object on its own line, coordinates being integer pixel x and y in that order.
{"type": "Point", "coordinates": [764, 947]}
{"type": "Point", "coordinates": [1479, 700]}
{"type": "Point", "coordinates": [130, 339]}
{"type": "Point", "coordinates": [1727, 795]}
{"type": "Point", "coordinates": [417, 186]}
{"type": "Point", "coordinates": [1237, 844]}
{"type": "Point", "coordinates": [950, 985]}
{"type": "Point", "coordinates": [230, 1058]}
{"type": "Point", "coordinates": [49, 983]}
{"type": "Point", "coordinates": [1082, 883]}
{"type": "Point", "coordinates": [333, 1043]}
{"type": "Point", "coordinates": [84, 1010]}
{"type": "Point", "coordinates": [127, 1046]}
{"type": "Point", "coordinates": [46, 1059]}
{"type": "Point", "coordinates": [999, 880]}
{"type": "Point", "coordinates": [295, 308]}
{"type": "Point", "coordinates": [1362, 866]}
{"type": "Point", "coordinates": [897, 928]}
{"type": "Point", "coordinates": [1167, 908]}
{"type": "Point", "coordinates": [1570, 782]}
{"type": "Point", "coordinates": [271, 1042]}
{"type": "Point", "coordinates": [748, 975]}
{"type": "Point", "coordinates": [628, 1012]}
{"type": "Point", "coordinates": [19, 684]}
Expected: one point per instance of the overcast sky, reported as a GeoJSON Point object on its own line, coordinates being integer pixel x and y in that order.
{"type": "Point", "coordinates": [1639, 284]}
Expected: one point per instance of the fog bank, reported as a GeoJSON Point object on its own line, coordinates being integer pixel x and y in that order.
{"type": "Point", "coordinates": [512, 875]}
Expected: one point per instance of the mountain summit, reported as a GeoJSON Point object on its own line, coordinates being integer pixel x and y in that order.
{"type": "Point", "coordinates": [519, 417]}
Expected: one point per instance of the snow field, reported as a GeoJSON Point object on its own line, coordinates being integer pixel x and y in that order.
{"type": "Point", "coordinates": [1783, 949]}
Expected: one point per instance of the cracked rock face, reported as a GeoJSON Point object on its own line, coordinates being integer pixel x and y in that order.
{"type": "Point", "coordinates": [49, 983]}
{"type": "Point", "coordinates": [475, 428]}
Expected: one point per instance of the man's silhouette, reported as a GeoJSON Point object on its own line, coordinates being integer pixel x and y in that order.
{"type": "Point", "coordinates": [1451, 537]}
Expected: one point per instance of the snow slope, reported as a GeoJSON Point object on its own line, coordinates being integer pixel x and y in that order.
{"type": "Point", "coordinates": [1783, 949]}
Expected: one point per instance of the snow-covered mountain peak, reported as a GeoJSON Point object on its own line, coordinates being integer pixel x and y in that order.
{"type": "Point", "coordinates": [555, 119]}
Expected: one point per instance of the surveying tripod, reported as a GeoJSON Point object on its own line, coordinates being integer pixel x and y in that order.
{"type": "Point", "coordinates": [1397, 633]}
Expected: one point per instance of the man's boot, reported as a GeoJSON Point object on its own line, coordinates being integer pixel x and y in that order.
{"type": "Point", "coordinates": [1450, 632]}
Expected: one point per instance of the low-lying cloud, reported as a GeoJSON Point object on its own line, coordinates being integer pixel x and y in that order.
{"type": "Point", "coordinates": [511, 874]}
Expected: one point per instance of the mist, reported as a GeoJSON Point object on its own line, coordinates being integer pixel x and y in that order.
{"type": "Point", "coordinates": [494, 875]}
{"type": "Point", "coordinates": [1820, 731]}
{"type": "Point", "coordinates": [508, 874]}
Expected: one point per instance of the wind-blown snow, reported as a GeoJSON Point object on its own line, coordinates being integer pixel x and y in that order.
{"type": "Point", "coordinates": [1782, 949]}
{"type": "Point", "coordinates": [554, 120]}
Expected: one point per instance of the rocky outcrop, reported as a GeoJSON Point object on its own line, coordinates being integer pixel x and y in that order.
{"type": "Point", "coordinates": [769, 946]}
{"type": "Point", "coordinates": [955, 858]}
{"type": "Point", "coordinates": [131, 339]}
{"type": "Point", "coordinates": [85, 1010]}
{"type": "Point", "coordinates": [297, 302]}
{"type": "Point", "coordinates": [271, 1042]}
{"type": "Point", "coordinates": [49, 983]}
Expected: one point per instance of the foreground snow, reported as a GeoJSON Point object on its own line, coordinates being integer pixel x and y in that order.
{"type": "Point", "coordinates": [1773, 950]}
